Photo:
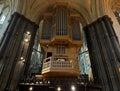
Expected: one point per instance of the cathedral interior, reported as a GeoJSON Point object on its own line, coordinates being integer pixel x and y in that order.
{"type": "Point", "coordinates": [59, 45]}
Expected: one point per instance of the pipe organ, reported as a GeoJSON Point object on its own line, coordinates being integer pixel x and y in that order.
{"type": "Point", "coordinates": [61, 18]}
{"type": "Point", "coordinates": [61, 41]}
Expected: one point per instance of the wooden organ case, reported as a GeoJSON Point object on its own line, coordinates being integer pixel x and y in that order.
{"type": "Point", "coordinates": [61, 41]}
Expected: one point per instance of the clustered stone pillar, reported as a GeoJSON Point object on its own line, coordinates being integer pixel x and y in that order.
{"type": "Point", "coordinates": [104, 51]}
{"type": "Point", "coordinates": [15, 51]}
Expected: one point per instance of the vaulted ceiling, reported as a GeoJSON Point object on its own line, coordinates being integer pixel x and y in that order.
{"type": "Point", "coordinates": [89, 10]}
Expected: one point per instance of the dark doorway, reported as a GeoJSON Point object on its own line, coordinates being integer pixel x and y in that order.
{"type": "Point", "coordinates": [49, 54]}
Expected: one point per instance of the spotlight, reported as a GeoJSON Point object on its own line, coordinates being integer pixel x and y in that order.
{"type": "Point", "coordinates": [119, 14]}
{"type": "Point", "coordinates": [36, 82]}
{"type": "Point", "coordinates": [28, 32]}
{"type": "Point", "coordinates": [70, 61]}
{"type": "Point", "coordinates": [58, 88]}
{"type": "Point", "coordinates": [48, 82]}
{"type": "Point", "coordinates": [82, 83]}
{"type": "Point", "coordinates": [21, 58]}
{"type": "Point", "coordinates": [31, 88]}
{"type": "Point", "coordinates": [26, 40]}
{"type": "Point", "coordinates": [27, 83]}
{"type": "Point", "coordinates": [73, 88]}
{"type": "Point", "coordinates": [47, 46]}
{"type": "Point", "coordinates": [41, 82]}
{"type": "Point", "coordinates": [32, 83]}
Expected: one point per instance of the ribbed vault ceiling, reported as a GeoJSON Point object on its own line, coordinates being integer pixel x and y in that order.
{"type": "Point", "coordinates": [88, 9]}
{"type": "Point", "coordinates": [37, 7]}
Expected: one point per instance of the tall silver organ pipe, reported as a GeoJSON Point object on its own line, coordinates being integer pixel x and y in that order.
{"type": "Point", "coordinates": [61, 21]}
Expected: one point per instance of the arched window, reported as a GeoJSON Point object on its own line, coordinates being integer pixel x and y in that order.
{"type": "Point", "coordinates": [83, 57]}
{"type": "Point", "coordinates": [117, 14]}
{"type": "Point", "coordinates": [4, 11]}
{"type": "Point", "coordinates": [36, 58]}
{"type": "Point", "coordinates": [3, 15]}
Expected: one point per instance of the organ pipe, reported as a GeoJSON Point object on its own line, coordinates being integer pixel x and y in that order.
{"type": "Point", "coordinates": [61, 25]}
{"type": "Point", "coordinates": [64, 23]}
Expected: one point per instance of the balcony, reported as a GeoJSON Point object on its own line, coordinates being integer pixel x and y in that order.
{"type": "Point", "coordinates": [60, 67]}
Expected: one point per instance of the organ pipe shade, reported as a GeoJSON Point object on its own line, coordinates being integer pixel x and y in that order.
{"type": "Point", "coordinates": [61, 21]}
{"type": "Point", "coordinates": [76, 34]}
{"type": "Point", "coordinates": [46, 32]}
{"type": "Point", "coordinates": [61, 47]}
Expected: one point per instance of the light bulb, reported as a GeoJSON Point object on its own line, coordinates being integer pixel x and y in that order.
{"type": "Point", "coordinates": [28, 32]}
{"type": "Point", "coordinates": [31, 88]}
{"type": "Point", "coordinates": [73, 88]}
{"type": "Point", "coordinates": [59, 89]}
{"type": "Point", "coordinates": [26, 40]}
{"type": "Point", "coordinates": [21, 58]}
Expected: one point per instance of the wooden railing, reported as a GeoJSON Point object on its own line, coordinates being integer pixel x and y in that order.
{"type": "Point", "coordinates": [59, 64]}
